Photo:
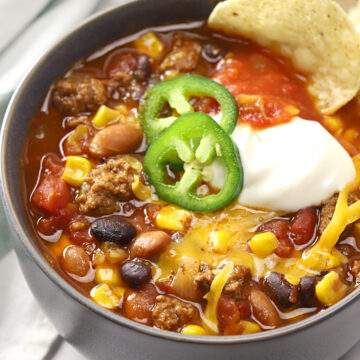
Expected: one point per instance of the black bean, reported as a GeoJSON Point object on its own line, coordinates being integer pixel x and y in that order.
{"type": "Point", "coordinates": [113, 228]}
{"type": "Point", "coordinates": [143, 68]}
{"type": "Point", "coordinates": [280, 290]}
{"type": "Point", "coordinates": [135, 274]}
{"type": "Point", "coordinates": [307, 291]}
{"type": "Point", "coordinates": [213, 53]}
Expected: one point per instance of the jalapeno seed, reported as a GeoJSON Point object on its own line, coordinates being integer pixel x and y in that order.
{"type": "Point", "coordinates": [135, 274]}
{"type": "Point", "coordinates": [113, 228]}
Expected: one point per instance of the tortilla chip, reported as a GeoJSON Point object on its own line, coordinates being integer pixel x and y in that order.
{"type": "Point", "coordinates": [316, 34]}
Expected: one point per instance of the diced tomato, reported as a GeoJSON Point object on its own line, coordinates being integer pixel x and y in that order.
{"type": "Point", "coordinates": [303, 226]}
{"type": "Point", "coordinates": [52, 195]}
{"type": "Point", "coordinates": [266, 95]}
{"type": "Point", "coordinates": [50, 225]}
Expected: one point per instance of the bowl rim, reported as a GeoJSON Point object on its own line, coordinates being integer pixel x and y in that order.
{"type": "Point", "coordinates": [63, 285]}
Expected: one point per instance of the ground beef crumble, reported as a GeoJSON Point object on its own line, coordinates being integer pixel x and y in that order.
{"type": "Point", "coordinates": [172, 314]}
{"type": "Point", "coordinates": [183, 57]}
{"type": "Point", "coordinates": [234, 287]}
{"type": "Point", "coordinates": [328, 208]}
{"type": "Point", "coordinates": [76, 96]}
{"type": "Point", "coordinates": [105, 186]}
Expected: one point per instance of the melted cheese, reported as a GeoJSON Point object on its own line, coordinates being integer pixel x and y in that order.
{"type": "Point", "coordinates": [323, 256]}
{"type": "Point", "coordinates": [213, 296]}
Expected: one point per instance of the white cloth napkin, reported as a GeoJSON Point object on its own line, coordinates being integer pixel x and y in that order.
{"type": "Point", "coordinates": [25, 333]}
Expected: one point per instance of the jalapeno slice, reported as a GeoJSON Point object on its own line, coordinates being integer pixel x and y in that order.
{"type": "Point", "coordinates": [197, 140]}
{"type": "Point", "coordinates": [177, 92]}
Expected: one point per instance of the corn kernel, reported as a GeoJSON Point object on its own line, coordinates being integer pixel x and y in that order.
{"type": "Point", "coordinates": [119, 291]}
{"type": "Point", "coordinates": [173, 218]}
{"type": "Point", "coordinates": [141, 191]}
{"type": "Point", "coordinates": [333, 124]}
{"type": "Point", "coordinates": [133, 162]}
{"type": "Point", "coordinates": [122, 109]}
{"type": "Point", "coordinates": [113, 252]}
{"type": "Point", "coordinates": [193, 330]}
{"type": "Point", "coordinates": [58, 247]}
{"type": "Point", "coordinates": [77, 225]}
{"type": "Point", "coordinates": [350, 135]}
{"type": "Point", "coordinates": [219, 241]}
{"type": "Point", "coordinates": [330, 289]}
{"type": "Point", "coordinates": [149, 44]}
{"type": "Point", "coordinates": [105, 115]}
{"type": "Point", "coordinates": [107, 275]}
{"type": "Point", "coordinates": [249, 327]}
{"type": "Point", "coordinates": [105, 297]}
{"type": "Point", "coordinates": [293, 280]}
{"type": "Point", "coordinates": [264, 244]}
{"type": "Point", "coordinates": [170, 74]}
{"type": "Point", "coordinates": [292, 110]}
{"type": "Point", "coordinates": [98, 258]}
{"type": "Point", "coordinates": [76, 170]}
{"type": "Point", "coordinates": [244, 99]}
{"type": "Point", "coordinates": [73, 142]}
{"type": "Point", "coordinates": [128, 115]}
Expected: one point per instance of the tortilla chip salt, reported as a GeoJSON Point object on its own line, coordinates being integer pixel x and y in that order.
{"type": "Point", "coordinates": [317, 35]}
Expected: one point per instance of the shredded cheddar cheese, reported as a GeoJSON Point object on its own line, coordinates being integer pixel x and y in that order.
{"type": "Point", "coordinates": [213, 296]}
{"type": "Point", "coordinates": [323, 256]}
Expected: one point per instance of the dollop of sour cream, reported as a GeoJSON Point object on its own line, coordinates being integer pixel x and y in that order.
{"type": "Point", "coordinates": [289, 166]}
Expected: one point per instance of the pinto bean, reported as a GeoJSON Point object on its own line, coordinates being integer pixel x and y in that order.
{"type": "Point", "coordinates": [280, 290]}
{"type": "Point", "coordinates": [149, 244]}
{"type": "Point", "coordinates": [307, 291]}
{"type": "Point", "coordinates": [75, 261]}
{"type": "Point", "coordinates": [303, 226]}
{"type": "Point", "coordinates": [263, 309]}
{"type": "Point", "coordinates": [116, 139]}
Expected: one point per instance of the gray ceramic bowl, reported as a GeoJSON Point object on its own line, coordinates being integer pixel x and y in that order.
{"type": "Point", "coordinates": [98, 333]}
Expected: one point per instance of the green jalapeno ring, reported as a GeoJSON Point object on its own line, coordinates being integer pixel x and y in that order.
{"type": "Point", "coordinates": [194, 137]}
{"type": "Point", "coordinates": [177, 92]}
